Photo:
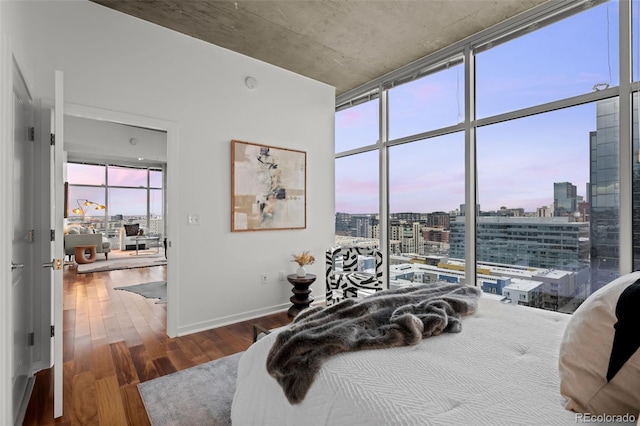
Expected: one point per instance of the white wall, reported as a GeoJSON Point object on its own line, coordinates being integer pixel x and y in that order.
{"type": "Point", "coordinates": [119, 63]}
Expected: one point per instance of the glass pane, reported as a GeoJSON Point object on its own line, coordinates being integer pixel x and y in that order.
{"type": "Point", "coordinates": [547, 234]}
{"type": "Point", "coordinates": [128, 205]}
{"type": "Point", "coordinates": [636, 185]}
{"type": "Point", "coordinates": [85, 199]}
{"type": "Point", "coordinates": [432, 102]}
{"type": "Point", "coordinates": [425, 194]}
{"type": "Point", "coordinates": [156, 220]}
{"type": "Point", "coordinates": [127, 176]}
{"type": "Point", "coordinates": [357, 126]}
{"type": "Point", "coordinates": [357, 199]}
{"type": "Point", "coordinates": [568, 58]}
{"type": "Point", "coordinates": [155, 178]}
{"type": "Point", "coordinates": [85, 174]}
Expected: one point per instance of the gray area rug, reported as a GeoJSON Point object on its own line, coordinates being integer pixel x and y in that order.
{"type": "Point", "coordinates": [121, 263]}
{"type": "Point", "coordinates": [199, 395]}
{"type": "Point", "coordinates": [151, 290]}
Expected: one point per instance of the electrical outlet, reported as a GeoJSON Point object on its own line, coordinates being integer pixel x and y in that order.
{"type": "Point", "coordinates": [193, 220]}
{"type": "Point", "coordinates": [263, 278]}
{"type": "Point", "coordinates": [281, 276]}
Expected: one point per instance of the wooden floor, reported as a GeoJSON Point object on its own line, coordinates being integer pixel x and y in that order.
{"type": "Point", "coordinates": [114, 340]}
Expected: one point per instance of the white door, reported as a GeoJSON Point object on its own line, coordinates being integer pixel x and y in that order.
{"type": "Point", "coordinates": [22, 255]}
{"type": "Point", "coordinates": [57, 217]}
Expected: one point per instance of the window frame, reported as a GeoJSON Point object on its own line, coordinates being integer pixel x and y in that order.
{"type": "Point", "coordinates": [466, 50]}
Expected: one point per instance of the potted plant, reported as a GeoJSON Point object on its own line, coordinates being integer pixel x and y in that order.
{"type": "Point", "coordinates": [302, 260]}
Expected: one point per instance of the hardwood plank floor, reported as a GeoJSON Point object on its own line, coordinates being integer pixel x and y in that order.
{"type": "Point", "coordinates": [114, 340]}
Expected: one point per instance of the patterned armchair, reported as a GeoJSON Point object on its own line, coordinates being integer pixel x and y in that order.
{"type": "Point", "coordinates": [346, 281]}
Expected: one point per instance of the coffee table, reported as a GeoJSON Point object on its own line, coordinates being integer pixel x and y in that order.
{"type": "Point", "coordinates": [146, 239]}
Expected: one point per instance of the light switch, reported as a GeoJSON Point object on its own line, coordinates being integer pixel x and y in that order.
{"type": "Point", "coordinates": [193, 220]}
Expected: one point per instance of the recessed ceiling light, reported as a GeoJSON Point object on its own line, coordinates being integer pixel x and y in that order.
{"type": "Point", "coordinates": [140, 158]}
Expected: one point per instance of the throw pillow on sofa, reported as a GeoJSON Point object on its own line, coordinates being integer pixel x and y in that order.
{"type": "Point", "coordinates": [131, 230]}
{"type": "Point", "coordinates": [599, 360]}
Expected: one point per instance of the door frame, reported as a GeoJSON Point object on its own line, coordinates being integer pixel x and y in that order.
{"type": "Point", "coordinates": [171, 186]}
{"type": "Point", "coordinates": [6, 207]}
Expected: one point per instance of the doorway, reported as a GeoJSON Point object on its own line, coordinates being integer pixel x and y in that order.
{"type": "Point", "coordinates": [116, 178]}
{"type": "Point", "coordinates": [170, 187]}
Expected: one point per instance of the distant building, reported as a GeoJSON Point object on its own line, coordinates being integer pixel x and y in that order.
{"type": "Point", "coordinates": [438, 220]}
{"type": "Point", "coordinates": [540, 242]}
{"type": "Point", "coordinates": [525, 292]}
{"type": "Point", "coordinates": [544, 211]}
{"type": "Point", "coordinates": [565, 199]}
{"type": "Point", "coordinates": [435, 234]}
{"type": "Point", "coordinates": [540, 288]}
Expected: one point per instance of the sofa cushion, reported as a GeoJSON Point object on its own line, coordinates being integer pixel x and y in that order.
{"type": "Point", "coordinates": [132, 229]}
{"type": "Point", "coordinates": [599, 360]}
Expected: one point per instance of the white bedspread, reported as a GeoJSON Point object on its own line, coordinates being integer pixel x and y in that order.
{"type": "Point", "coordinates": [502, 369]}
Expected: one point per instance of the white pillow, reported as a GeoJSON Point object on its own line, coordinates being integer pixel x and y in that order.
{"type": "Point", "coordinates": [599, 362]}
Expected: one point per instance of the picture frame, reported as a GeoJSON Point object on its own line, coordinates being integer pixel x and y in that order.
{"type": "Point", "coordinates": [66, 200]}
{"type": "Point", "coordinates": [268, 187]}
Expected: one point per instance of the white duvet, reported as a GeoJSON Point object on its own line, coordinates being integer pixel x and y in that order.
{"type": "Point", "coordinates": [502, 369]}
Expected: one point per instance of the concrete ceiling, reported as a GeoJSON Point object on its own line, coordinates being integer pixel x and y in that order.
{"type": "Point", "coordinates": [343, 43]}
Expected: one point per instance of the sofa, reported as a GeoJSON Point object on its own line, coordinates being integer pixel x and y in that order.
{"type": "Point", "coordinates": [128, 234]}
{"type": "Point", "coordinates": [100, 241]}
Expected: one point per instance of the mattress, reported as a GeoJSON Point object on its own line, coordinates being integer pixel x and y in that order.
{"type": "Point", "coordinates": [502, 369]}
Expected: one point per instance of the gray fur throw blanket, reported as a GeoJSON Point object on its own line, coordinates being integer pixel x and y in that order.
{"type": "Point", "coordinates": [386, 319]}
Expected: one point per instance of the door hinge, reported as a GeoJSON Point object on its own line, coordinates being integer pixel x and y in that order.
{"type": "Point", "coordinates": [32, 134]}
{"type": "Point", "coordinates": [53, 330]}
{"type": "Point", "coordinates": [53, 235]}
{"type": "Point", "coordinates": [31, 339]}
{"type": "Point", "coordinates": [53, 139]}
{"type": "Point", "coordinates": [31, 235]}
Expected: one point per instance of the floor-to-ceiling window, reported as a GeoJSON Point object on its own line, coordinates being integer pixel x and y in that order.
{"type": "Point", "coordinates": [128, 195]}
{"type": "Point", "coordinates": [357, 184]}
{"type": "Point", "coordinates": [539, 98]}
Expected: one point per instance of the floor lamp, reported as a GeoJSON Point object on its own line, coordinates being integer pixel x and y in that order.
{"type": "Point", "coordinates": [86, 203]}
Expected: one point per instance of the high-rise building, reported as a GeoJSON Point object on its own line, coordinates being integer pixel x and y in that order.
{"type": "Point", "coordinates": [363, 227]}
{"type": "Point", "coordinates": [343, 224]}
{"type": "Point", "coordinates": [604, 194]}
{"type": "Point", "coordinates": [565, 198]}
{"type": "Point", "coordinates": [539, 242]}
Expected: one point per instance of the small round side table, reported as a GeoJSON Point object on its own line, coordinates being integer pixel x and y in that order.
{"type": "Point", "coordinates": [301, 298]}
{"type": "Point", "coordinates": [80, 254]}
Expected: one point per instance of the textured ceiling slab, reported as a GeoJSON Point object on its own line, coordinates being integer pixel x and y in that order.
{"type": "Point", "coordinates": [341, 43]}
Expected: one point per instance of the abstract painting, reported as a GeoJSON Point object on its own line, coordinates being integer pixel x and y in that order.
{"type": "Point", "coordinates": [268, 187]}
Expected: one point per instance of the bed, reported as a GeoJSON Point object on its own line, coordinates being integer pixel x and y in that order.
{"type": "Point", "coordinates": [501, 369]}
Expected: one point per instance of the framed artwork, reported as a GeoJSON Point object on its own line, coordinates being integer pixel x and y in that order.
{"type": "Point", "coordinates": [268, 187]}
{"type": "Point", "coordinates": [66, 200]}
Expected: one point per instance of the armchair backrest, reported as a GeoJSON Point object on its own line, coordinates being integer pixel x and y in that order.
{"type": "Point", "coordinates": [351, 261]}
{"type": "Point", "coordinates": [345, 283]}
